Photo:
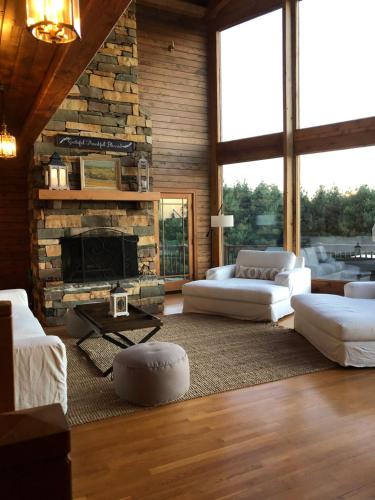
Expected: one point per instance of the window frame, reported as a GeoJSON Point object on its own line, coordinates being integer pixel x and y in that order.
{"type": "Point", "coordinates": [292, 141]}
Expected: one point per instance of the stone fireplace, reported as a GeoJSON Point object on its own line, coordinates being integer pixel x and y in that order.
{"type": "Point", "coordinates": [55, 223]}
{"type": "Point", "coordinates": [68, 234]}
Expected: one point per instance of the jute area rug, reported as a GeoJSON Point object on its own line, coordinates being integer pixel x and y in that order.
{"type": "Point", "coordinates": [224, 354]}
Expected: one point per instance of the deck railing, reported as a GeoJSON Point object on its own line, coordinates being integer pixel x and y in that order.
{"type": "Point", "coordinates": [231, 251]}
{"type": "Point", "coordinates": [174, 260]}
{"type": "Point", "coordinates": [365, 252]}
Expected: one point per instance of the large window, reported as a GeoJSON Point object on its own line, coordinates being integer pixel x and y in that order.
{"type": "Point", "coordinates": [338, 213]}
{"type": "Point", "coordinates": [253, 193]}
{"type": "Point", "coordinates": [328, 79]}
{"type": "Point", "coordinates": [251, 78]}
{"type": "Point", "coordinates": [337, 74]}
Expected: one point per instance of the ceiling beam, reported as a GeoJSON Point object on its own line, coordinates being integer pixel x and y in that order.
{"type": "Point", "coordinates": [227, 13]}
{"type": "Point", "coordinates": [345, 135]}
{"type": "Point", "coordinates": [250, 149]}
{"type": "Point", "coordinates": [214, 7]}
{"type": "Point", "coordinates": [176, 6]}
{"type": "Point", "coordinates": [68, 64]}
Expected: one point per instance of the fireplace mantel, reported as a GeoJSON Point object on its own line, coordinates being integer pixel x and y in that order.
{"type": "Point", "coordinates": [96, 195]}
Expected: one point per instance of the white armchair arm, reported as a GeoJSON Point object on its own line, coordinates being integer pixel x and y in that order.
{"type": "Point", "coordinates": [40, 371]}
{"type": "Point", "coordinates": [221, 273]}
{"type": "Point", "coordinates": [17, 296]}
{"type": "Point", "coordinates": [298, 280]}
{"type": "Point", "coordinates": [360, 290]}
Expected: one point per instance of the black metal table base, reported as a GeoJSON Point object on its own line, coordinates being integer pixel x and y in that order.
{"type": "Point", "coordinates": [126, 342]}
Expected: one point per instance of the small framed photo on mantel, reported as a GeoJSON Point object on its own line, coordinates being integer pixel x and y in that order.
{"type": "Point", "coordinates": [100, 173]}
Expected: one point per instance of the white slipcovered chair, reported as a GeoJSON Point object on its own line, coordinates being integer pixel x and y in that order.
{"type": "Point", "coordinates": [341, 328]}
{"type": "Point", "coordinates": [222, 293]}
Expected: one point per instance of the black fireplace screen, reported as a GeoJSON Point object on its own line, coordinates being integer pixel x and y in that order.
{"type": "Point", "coordinates": [87, 258]}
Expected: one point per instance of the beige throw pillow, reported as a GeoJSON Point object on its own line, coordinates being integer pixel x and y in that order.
{"type": "Point", "coordinates": [257, 273]}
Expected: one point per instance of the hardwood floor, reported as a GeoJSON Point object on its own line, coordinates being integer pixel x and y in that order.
{"type": "Point", "coordinates": [308, 437]}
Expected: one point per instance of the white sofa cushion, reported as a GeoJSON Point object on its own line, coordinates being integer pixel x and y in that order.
{"type": "Point", "coordinates": [17, 296]}
{"type": "Point", "coordinates": [343, 318]}
{"type": "Point", "coordinates": [25, 324]}
{"type": "Point", "coordinates": [329, 268]}
{"type": "Point", "coordinates": [257, 258]}
{"type": "Point", "coordinates": [238, 289]}
{"type": "Point", "coordinates": [311, 259]}
{"type": "Point", "coordinates": [321, 253]}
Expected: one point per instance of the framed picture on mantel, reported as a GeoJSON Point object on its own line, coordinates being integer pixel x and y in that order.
{"type": "Point", "coordinates": [100, 173]}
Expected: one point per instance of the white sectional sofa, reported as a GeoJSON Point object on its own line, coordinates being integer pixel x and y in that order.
{"type": "Point", "coordinates": [40, 365]}
{"type": "Point", "coordinates": [224, 294]}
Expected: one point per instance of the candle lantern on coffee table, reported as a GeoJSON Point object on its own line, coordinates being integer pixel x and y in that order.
{"type": "Point", "coordinates": [118, 302]}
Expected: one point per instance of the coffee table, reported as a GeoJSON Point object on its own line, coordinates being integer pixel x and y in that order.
{"type": "Point", "coordinates": [111, 329]}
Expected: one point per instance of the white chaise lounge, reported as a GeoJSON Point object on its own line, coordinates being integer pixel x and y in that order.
{"type": "Point", "coordinates": [224, 294]}
{"type": "Point", "coordinates": [39, 359]}
{"type": "Point", "coordinates": [341, 328]}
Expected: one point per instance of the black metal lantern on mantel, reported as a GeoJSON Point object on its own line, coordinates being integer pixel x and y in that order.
{"type": "Point", "coordinates": [143, 174]}
{"type": "Point", "coordinates": [118, 301]}
{"type": "Point", "coordinates": [56, 173]}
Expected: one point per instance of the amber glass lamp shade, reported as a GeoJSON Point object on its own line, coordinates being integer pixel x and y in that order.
{"type": "Point", "coordinates": [8, 147]}
{"type": "Point", "coordinates": [54, 21]}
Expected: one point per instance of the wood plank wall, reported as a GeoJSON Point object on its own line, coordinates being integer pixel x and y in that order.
{"type": "Point", "coordinates": [14, 227]}
{"type": "Point", "coordinates": [173, 89]}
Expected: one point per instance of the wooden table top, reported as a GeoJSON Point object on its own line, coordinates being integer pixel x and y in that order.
{"type": "Point", "coordinates": [98, 315]}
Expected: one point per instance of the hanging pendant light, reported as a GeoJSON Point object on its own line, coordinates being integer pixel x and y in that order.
{"type": "Point", "coordinates": [54, 21]}
{"type": "Point", "coordinates": [7, 142]}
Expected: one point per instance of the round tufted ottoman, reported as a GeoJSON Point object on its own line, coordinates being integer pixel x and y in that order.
{"type": "Point", "coordinates": [152, 373]}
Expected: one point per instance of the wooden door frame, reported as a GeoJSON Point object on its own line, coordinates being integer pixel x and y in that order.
{"type": "Point", "coordinates": [192, 195]}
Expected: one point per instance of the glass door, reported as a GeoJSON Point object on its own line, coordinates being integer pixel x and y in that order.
{"type": "Point", "coordinates": [176, 239]}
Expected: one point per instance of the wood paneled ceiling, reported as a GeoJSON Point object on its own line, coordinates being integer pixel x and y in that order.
{"type": "Point", "coordinates": [39, 75]}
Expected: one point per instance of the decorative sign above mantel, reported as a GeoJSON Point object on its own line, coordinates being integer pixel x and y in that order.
{"type": "Point", "coordinates": [96, 143]}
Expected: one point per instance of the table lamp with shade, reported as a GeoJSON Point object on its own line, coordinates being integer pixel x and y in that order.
{"type": "Point", "coordinates": [222, 221]}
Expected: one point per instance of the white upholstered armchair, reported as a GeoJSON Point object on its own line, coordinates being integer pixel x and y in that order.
{"type": "Point", "coordinates": [258, 287]}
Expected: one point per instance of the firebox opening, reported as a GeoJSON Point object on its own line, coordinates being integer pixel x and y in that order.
{"type": "Point", "coordinates": [87, 257]}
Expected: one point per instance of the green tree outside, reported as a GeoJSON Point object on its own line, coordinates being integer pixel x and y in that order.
{"type": "Point", "coordinates": [329, 212]}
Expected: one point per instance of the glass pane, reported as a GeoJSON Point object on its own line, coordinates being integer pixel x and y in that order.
{"type": "Point", "coordinates": [253, 194]}
{"type": "Point", "coordinates": [251, 78]}
{"type": "Point", "coordinates": [62, 174]}
{"type": "Point", "coordinates": [337, 74]}
{"type": "Point", "coordinates": [338, 214]}
{"type": "Point", "coordinates": [174, 239]}
{"type": "Point", "coordinates": [54, 181]}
